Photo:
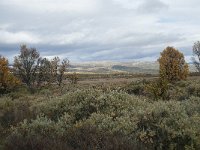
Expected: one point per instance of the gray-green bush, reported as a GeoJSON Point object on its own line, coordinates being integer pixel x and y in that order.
{"type": "Point", "coordinates": [99, 118]}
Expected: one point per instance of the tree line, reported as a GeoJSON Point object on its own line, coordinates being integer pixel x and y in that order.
{"type": "Point", "coordinates": [34, 71]}
{"type": "Point", "coordinates": [31, 69]}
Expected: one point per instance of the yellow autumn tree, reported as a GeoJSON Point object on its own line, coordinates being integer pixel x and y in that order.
{"type": "Point", "coordinates": [172, 65]}
{"type": "Point", "coordinates": [7, 80]}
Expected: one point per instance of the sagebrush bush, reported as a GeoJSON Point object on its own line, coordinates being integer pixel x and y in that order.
{"type": "Point", "coordinates": [166, 125]}
{"type": "Point", "coordinates": [43, 133]}
{"type": "Point", "coordinates": [79, 103]}
{"type": "Point", "coordinates": [13, 111]}
{"type": "Point", "coordinates": [73, 78]}
{"type": "Point", "coordinates": [99, 117]}
{"type": "Point", "coordinates": [158, 89]}
{"type": "Point", "coordinates": [193, 89]}
{"type": "Point", "coordinates": [137, 87]}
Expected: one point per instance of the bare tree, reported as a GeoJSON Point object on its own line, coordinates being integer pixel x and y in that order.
{"type": "Point", "coordinates": [196, 57]}
{"type": "Point", "coordinates": [26, 65]}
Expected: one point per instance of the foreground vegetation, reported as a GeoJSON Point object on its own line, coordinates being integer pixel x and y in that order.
{"type": "Point", "coordinates": [102, 116]}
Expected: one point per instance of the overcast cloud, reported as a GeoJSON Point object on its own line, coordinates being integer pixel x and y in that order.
{"type": "Point", "coordinates": [94, 30]}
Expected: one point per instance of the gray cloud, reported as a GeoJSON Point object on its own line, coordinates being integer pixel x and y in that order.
{"type": "Point", "coordinates": [153, 6]}
{"type": "Point", "coordinates": [89, 30]}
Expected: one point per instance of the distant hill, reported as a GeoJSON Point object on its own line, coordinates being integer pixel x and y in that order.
{"type": "Point", "coordinates": [134, 69]}
{"type": "Point", "coordinates": [118, 67]}
{"type": "Point", "coordinates": [115, 67]}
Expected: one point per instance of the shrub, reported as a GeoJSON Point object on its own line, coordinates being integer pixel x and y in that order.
{"type": "Point", "coordinates": [88, 137]}
{"type": "Point", "coordinates": [192, 106]}
{"type": "Point", "coordinates": [79, 103]}
{"type": "Point", "coordinates": [158, 89]}
{"type": "Point", "coordinates": [94, 118]}
{"type": "Point", "coordinates": [73, 78]}
{"type": "Point", "coordinates": [193, 89]}
{"type": "Point", "coordinates": [167, 125]}
{"type": "Point", "coordinates": [39, 134]}
{"type": "Point", "coordinates": [13, 111]}
{"type": "Point", "coordinates": [136, 87]}
{"type": "Point", "coordinates": [51, 136]}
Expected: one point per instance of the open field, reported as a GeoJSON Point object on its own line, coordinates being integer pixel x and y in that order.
{"type": "Point", "coordinates": [118, 78]}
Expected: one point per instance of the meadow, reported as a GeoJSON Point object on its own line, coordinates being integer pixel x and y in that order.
{"type": "Point", "coordinates": [103, 111]}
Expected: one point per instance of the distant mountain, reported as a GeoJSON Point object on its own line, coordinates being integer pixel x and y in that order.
{"type": "Point", "coordinates": [117, 67]}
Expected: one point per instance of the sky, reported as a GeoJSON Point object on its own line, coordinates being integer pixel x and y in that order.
{"type": "Point", "coordinates": [99, 30]}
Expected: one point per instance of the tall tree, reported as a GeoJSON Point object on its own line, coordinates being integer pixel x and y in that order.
{"type": "Point", "coordinates": [196, 53]}
{"type": "Point", "coordinates": [172, 65]}
{"type": "Point", "coordinates": [26, 65]}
